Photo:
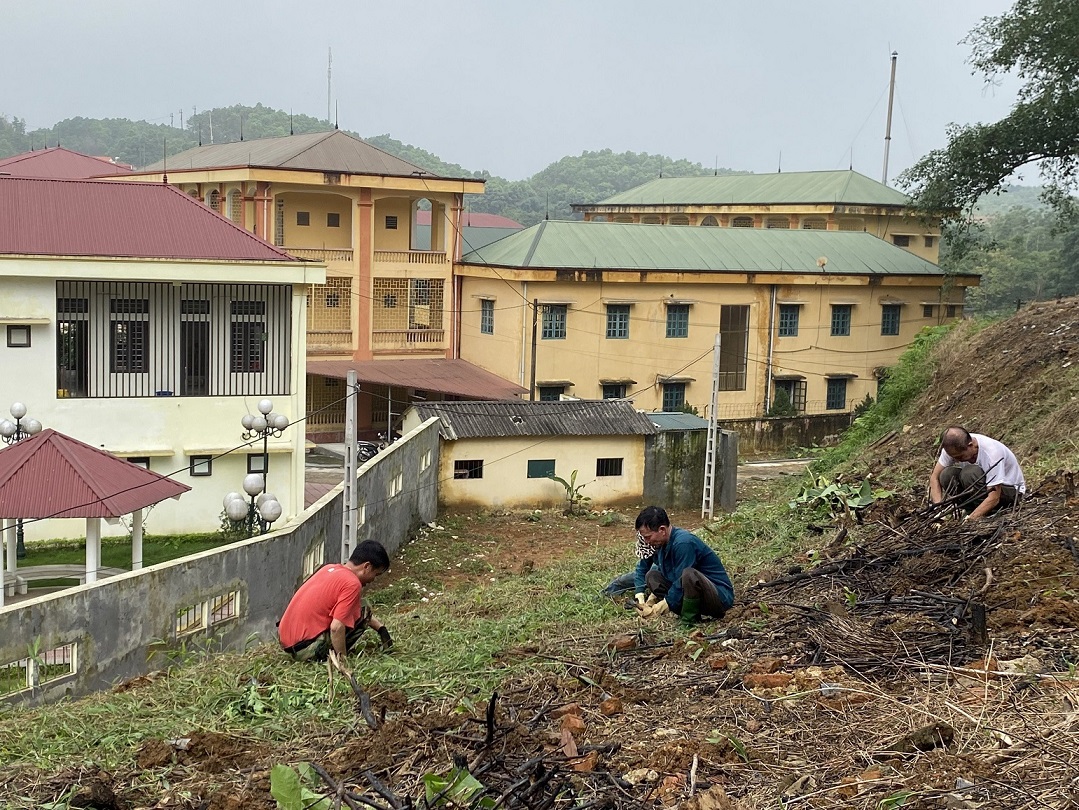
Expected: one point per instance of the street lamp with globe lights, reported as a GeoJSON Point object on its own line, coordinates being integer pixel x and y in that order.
{"type": "Point", "coordinates": [264, 424]}
{"type": "Point", "coordinates": [255, 516]}
{"type": "Point", "coordinates": [12, 433]}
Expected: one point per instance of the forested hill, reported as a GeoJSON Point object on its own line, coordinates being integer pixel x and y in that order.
{"type": "Point", "coordinates": [588, 177]}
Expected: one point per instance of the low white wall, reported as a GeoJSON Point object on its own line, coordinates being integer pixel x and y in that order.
{"type": "Point", "coordinates": [111, 629]}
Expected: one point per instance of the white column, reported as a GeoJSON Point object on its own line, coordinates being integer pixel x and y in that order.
{"type": "Point", "coordinates": [93, 548]}
{"type": "Point", "coordinates": [9, 536]}
{"type": "Point", "coordinates": [136, 540]}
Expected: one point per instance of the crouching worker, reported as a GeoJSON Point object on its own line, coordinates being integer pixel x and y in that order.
{"type": "Point", "coordinates": [683, 574]}
{"type": "Point", "coordinates": [327, 612]}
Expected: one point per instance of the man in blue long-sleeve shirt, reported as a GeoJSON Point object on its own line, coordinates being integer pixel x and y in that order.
{"type": "Point", "coordinates": [682, 572]}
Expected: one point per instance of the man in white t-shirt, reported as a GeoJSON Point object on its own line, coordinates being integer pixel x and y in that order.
{"type": "Point", "coordinates": [982, 469]}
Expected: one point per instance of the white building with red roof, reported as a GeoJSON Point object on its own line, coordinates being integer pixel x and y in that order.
{"type": "Point", "coordinates": [137, 320]}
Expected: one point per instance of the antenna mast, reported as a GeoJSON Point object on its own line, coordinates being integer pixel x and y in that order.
{"type": "Point", "coordinates": [888, 126]}
{"type": "Point", "coordinates": [329, 76]}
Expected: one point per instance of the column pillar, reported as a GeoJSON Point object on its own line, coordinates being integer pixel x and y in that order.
{"type": "Point", "coordinates": [93, 548]}
{"type": "Point", "coordinates": [136, 540]}
{"type": "Point", "coordinates": [363, 249]}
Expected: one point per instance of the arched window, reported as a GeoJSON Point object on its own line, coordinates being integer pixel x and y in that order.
{"type": "Point", "coordinates": [742, 222]}
{"type": "Point", "coordinates": [780, 223]}
{"type": "Point", "coordinates": [709, 222]}
{"type": "Point", "coordinates": [678, 219]}
{"type": "Point", "coordinates": [851, 225]}
{"type": "Point", "coordinates": [815, 224]}
{"type": "Point", "coordinates": [213, 199]}
{"type": "Point", "coordinates": [623, 218]}
{"type": "Point", "coordinates": [598, 218]}
{"type": "Point", "coordinates": [650, 219]}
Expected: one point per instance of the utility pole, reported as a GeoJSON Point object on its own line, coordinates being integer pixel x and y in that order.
{"type": "Point", "coordinates": [329, 84]}
{"type": "Point", "coordinates": [708, 499]}
{"type": "Point", "coordinates": [350, 496]}
{"type": "Point", "coordinates": [532, 379]}
{"type": "Point", "coordinates": [888, 126]}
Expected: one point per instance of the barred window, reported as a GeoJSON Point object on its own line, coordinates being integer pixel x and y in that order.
{"type": "Point", "coordinates": [742, 222]}
{"type": "Point", "coordinates": [606, 467]}
{"type": "Point", "coordinates": [472, 468]}
{"type": "Point", "coordinates": [487, 317]}
{"type": "Point", "coordinates": [614, 390]}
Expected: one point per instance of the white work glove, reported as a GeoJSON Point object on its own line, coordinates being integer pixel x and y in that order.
{"type": "Point", "coordinates": [647, 611]}
{"type": "Point", "coordinates": [639, 597]}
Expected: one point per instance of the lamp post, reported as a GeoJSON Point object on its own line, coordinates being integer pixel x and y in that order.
{"type": "Point", "coordinates": [252, 517]}
{"type": "Point", "coordinates": [265, 424]}
{"type": "Point", "coordinates": [12, 433]}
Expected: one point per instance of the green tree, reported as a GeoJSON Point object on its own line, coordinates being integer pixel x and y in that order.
{"type": "Point", "coordinates": [1036, 40]}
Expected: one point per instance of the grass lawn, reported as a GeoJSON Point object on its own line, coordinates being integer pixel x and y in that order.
{"type": "Point", "coordinates": [116, 552]}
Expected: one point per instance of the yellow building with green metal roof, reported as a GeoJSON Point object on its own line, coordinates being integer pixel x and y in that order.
{"type": "Point", "coordinates": [825, 201]}
{"type": "Point", "coordinates": [624, 310]}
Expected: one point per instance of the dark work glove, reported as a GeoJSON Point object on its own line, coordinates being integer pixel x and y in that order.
{"type": "Point", "coordinates": [384, 634]}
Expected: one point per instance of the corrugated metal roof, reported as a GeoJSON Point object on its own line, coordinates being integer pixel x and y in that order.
{"type": "Point", "coordinates": [666, 420]}
{"type": "Point", "coordinates": [784, 188]}
{"type": "Point", "coordinates": [452, 377]}
{"type": "Point", "coordinates": [103, 218]}
{"type": "Point", "coordinates": [53, 475]}
{"type": "Point", "coordinates": [618, 246]}
{"type": "Point", "coordinates": [316, 151]}
{"type": "Point", "coordinates": [472, 219]}
{"type": "Point", "coordinates": [58, 163]}
{"type": "Point", "coordinates": [603, 417]}
{"type": "Point", "coordinates": [471, 238]}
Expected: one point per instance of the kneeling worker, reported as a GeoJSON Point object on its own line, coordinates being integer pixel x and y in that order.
{"type": "Point", "coordinates": [681, 571]}
{"type": "Point", "coordinates": [327, 610]}
{"type": "Point", "coordinates": [983, 472]}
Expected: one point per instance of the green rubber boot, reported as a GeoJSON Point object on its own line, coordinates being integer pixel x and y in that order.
{"type": "Point", "coordinates": [691, 611]}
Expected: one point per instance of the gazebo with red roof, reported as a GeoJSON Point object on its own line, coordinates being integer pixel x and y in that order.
{"type": "Point", "coordinates": [51, 475]}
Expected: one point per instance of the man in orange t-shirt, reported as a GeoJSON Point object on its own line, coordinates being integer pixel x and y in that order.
{"type": "Point", "coordinates": [327, 612]}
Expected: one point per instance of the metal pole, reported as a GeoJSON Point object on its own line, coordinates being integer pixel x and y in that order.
{"type": "Point", "coordinates": [708, 500]}
{"type": "Point", "coordinates": [532, 379]}
{"type": "Point", "coordinates": [349, 498]}
{"type": "Point", "coordinates": [888, 127]}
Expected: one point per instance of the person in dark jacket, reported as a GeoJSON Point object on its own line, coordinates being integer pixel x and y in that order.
{"type": "Point", "coordinates": [684, 575]}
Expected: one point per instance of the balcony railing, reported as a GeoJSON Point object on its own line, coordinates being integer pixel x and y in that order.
{"type": "Point", "coordinates": [407, 338]}
{"type": "Point", "coordinates": [321, 254]}
{"type": "Point", "coordinates": [411, 256]}
{"type": "Point", "coordinates": [322, 338]}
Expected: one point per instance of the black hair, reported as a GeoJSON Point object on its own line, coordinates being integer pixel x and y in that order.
{"type": "Point", "coordinates": [371, 551]}
{"type": "Point", "coordinates": [955, 438]}
{"type": "Point", "coordinates": [652, 517]}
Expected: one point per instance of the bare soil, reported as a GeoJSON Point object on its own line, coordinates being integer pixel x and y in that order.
{"type": "Point", "coordinates": [915, 660]}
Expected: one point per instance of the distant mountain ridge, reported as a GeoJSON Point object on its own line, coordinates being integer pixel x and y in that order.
{"type": "Point", "coordinates": [588, 177]}
{"type": "Point", "coordinates": [585, 178]}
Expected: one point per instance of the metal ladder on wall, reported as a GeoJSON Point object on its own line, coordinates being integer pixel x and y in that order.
{"type": "Point", "coordinates": [708, 500]}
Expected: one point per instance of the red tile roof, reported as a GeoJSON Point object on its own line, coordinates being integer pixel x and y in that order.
{"type": "Point", "coordinates": [58, 163]}
{"type": "Point", "coordinates": [102, 218]}
{"type": "Point", "coordinates": [452, 377]}
{"type": "Point", "coordinates": [53, 475]}
{"type": "Point", "coordinates": [474, 220]}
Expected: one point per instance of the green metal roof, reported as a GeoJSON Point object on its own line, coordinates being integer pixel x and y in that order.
{"type": "Point", "coordinates": [671, 420]}
{"type": "Point", "coordinates": [334, 151]}
{"type": "Point", "coordinates": [785, 188]}
{"type": "Point", "coordinates": [620, 246]}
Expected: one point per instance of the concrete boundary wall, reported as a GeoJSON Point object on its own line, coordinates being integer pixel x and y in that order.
{"type": "Point", "coordinates": [783, 434]}
{"type": "Point", "coordinates": [86, 639]}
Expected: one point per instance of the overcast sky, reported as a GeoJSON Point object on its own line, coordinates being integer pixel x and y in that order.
{"type": "Point", "coordinates": [512, 86]}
